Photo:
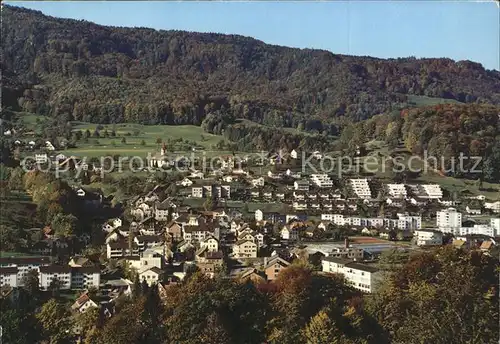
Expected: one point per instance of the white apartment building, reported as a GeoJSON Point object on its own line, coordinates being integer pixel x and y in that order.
{"type": "Point", "coordinates": [432, 191]}
{"type": "Point", "coordinates": [8, 276]}
{"type": "Point", "coordinates": [85, 277]}
{"type": "Point", "coordinates": [478, 229]}
{"type": "Point", "coordinates": [404, 221]}
{"type": "Point", "coordinates": [301, 185]}
{"type": "Point", "coordinates": [23, 265]}
{"type": "Point", "coordinates": [52, 272]}
{"type": "Point", "coordinates": [428, 237]}
{"type": "Point", "coordinates": [495, 223]}
{"type": "Point", "coordinates": [493, 206]}
{"type": "Point", "coordinates": [397, 190]}
{"type": "Point", "coordinates": [449, 218]}
{"type": "Point", "coordinates": [360, 276]}
{"type": "Point", "coordinates": [321, 180]}
{"type": "Point", "coordinates": [337, 219]}
{"type": "Point", "coordinates": [361, 188]}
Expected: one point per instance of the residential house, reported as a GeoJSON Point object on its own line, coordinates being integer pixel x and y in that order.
{"type": "Point", "coordinates": [245, 249]}
{"type": "Point", "coordinates": [211, 243]}
{"type": "Point", "coordinates": [291, 231]}
{"type": "Point", "coordinates": [185, 182]}
{"type": "Point", "coordinates": [174, 229]}
{"type": "Point", "coordinates": [41, 158]}
{"type": "Point", "coordinates": [83, 303]}
{"type": "Point", "coordinates": [252, 275]}
{"type": "Point", "coordinates": [258, 182]}
{"type": "Point", "coordinates": [471, 210]}
{"type": "Point", "coordinates": [152, 275]}
{"type": "Point", "coordinates": [274, 266]}
{"type": "Point", "coordinates": [9, 277]}
{"type": "Point", "coordinates": [299, 205]}
{"type": "Point", "coordinates": [162, 211]}
{"type": "Point", "coordinates": [209, 262]}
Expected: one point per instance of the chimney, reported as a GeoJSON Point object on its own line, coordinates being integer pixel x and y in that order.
{"type": "Point", "coordinates": [346, 241]}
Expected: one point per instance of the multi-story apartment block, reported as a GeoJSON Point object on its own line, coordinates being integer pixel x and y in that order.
{"type": "Point", "coordinates": [360, 276]}
{"type": "Point", "coordinates": [431, 191]}
{"type": "Point", "coordinates": [428, 237]}
{"type": "Point", "coordinates": [449, 218]}
{"type": "Point", "coordinates": [397, 190]}
{"type": "Point", "coordinates": [23, 265]}
{"type": "Point", "coordinates": [13, 271]}
{"type": "Point", "coordinates": [220, 191]}
{"type": "Point", "coordinates": [361, 188]}
{"type": "Point", "coordinates": [321, 180]}
{"type": "Point", "coordinates": [301, 185]}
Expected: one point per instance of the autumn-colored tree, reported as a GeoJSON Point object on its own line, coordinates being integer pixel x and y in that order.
{"type": "Point", "coordinates": [423, 302]}
{"type": "Point", "coordinates": [54, 320]}
{"type": "Point", "coordinates": [322, 329]}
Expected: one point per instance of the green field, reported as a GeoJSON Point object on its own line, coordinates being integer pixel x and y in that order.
{"type": "Point", "coordinates": [31, 122]}
{"type": "Point", "coordinates": [134, 135]}
{"type": "Point", "coordinates": [428, 101]}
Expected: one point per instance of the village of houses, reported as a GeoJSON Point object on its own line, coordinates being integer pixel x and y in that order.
{"type": "Point", "coordinates": [161, 239]}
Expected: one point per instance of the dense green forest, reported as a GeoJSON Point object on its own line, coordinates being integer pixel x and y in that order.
{"type": "Point", "coordinates": [99, 74]}
{"type": "Point", "coordinates": [446, 130]}
{"type": "Point", "coordinates": [448, 296]}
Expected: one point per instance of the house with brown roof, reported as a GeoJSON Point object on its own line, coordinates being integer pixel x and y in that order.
{"type": "Point", "coordinates": [274, 267]}
{"type": "Point", "coordinates": [486, 245]}
{"type": "Point", "coordinates": [175, 229]}
{"type": "Point", "coordinates": [252, 275]}
{"type": "Point", "coordinates": [209, 262]}
{"type": "Point", "coordinates": [83, 303]}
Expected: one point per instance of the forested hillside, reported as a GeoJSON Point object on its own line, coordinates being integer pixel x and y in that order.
{"type": "Point", "coordinates": [88, 72]}
{"type": "Point", "coordinates": [439, 131]}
